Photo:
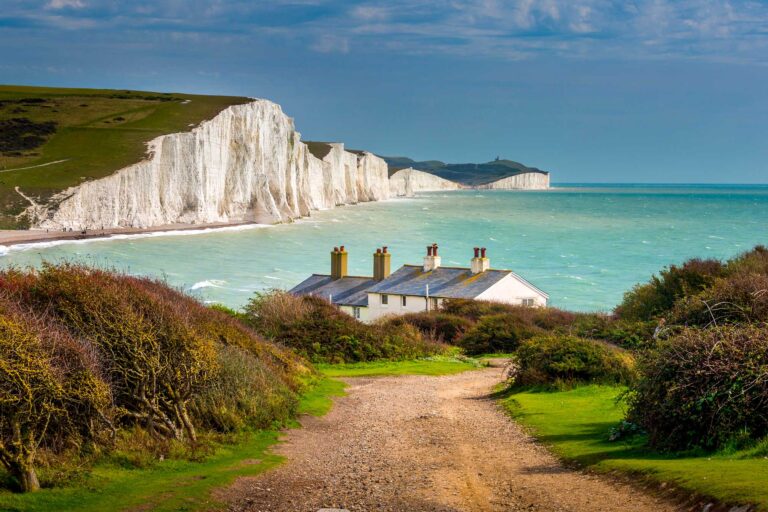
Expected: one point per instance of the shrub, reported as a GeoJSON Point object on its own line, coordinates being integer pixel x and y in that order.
{"type": "Point", "coordinates": [740, 298]}
{"type": "Point", "coordinates": [228, 403]}
{"type": "Point", "coordinates": [474, 309]}
{"type": "Point", "coordinates": [552, 360]}
{"type": "Point", "coordinates": [750, 262]}
{"type": "Point", "coordinates": [319, 331]}
{"type": "Point", "coordinates": [50, 392]}
{"type": "Point", "coordinates": [497, 333]}
{"type": "Point", "coordinates": [704, 389]}
{"type": "Point", "coordinates": [624, 333]}
{"type": "Point", "coordinates": [441, 326]}
{"type": "Point", "coordinates": [654, 299]}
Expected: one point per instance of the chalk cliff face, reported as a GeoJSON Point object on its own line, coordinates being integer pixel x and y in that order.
{"type": "Point", "coordinates": [524, 181]}
{"type": "Point", "coordinates": [247, 164]}
{"type": "Point", "coordinates": [407, 182]}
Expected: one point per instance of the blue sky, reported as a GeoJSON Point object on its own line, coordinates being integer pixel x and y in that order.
{"type": "Point", "coordinates": [593, 90]}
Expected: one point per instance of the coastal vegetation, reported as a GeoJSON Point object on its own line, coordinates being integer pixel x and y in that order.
{"type": "Point", "coordinates": [54, 138]}
{"type": "Point", "coordinates": [94, 362]}
{"type": "Point", "coordinates": [104, 374]}
{"type": "Point", "coordinates": [320, 332]}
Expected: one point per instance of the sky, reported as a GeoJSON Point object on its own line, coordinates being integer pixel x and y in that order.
{"type": "Point", "coordinates": [592, 90]}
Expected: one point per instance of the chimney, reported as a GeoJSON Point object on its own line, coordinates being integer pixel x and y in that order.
{"type": "Point", "coordinates": [480, 263]}
{"type": "Point", "coordinates": [431, 260]}
{"type": "Point", "coordinates": [381, 264]}
{"type": "Point", "coordinates": [338, 262]}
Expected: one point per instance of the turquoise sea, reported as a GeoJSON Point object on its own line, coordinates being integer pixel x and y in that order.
{"type": "Point", "coordinates": [583, 244]}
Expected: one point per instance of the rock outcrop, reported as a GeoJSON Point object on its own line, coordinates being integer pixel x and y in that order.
{"type": "Point", "coordinates": [522, 181]}
{"type": "Point", "coordinates": [407, 182]}
{"type": "Point", "coordinates": [247, 164]}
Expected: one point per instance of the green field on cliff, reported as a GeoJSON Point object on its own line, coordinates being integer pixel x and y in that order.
{"type": "Point", "coordinates": [54, 138]}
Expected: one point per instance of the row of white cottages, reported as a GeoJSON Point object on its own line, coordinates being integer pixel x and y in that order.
{"type": "Point", "coordinates": [414, 288]}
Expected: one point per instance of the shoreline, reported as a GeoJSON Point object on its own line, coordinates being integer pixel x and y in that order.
{"type": "Point", "coordinates": [10, 237]}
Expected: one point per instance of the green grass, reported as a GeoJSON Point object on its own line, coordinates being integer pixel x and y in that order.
{"type": "Point", "coordinates": [429, 366]}
{"type": "Point", "coordinates": [99, 131]}
{"type": "Point", "coordinates": [576, 425]}
{"type": "Point", "coordinates": [171, 485]}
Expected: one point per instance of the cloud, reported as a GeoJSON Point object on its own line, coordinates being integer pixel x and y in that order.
{"type": "Point", "coordinates": [715, 30]}
{"type": "Point", "coordinates": [330, 44]}
{"type": "Point", "coordinates": [65, 4]}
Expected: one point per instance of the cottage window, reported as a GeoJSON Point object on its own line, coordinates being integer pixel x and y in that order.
{"type": "Point", "coordinates": [384, 299]}
{"type": "Point", "coordinates": [529, 302]}
{"type": "Point", "coordinates": [356, 312]}
{"type": "Point", "coordinates": [434, 304]}
{"type": "Point", "coordinates": [403, 300]}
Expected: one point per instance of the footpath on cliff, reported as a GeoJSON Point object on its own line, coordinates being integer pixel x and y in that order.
{"type": "Point", "coordinates": [416, 443]}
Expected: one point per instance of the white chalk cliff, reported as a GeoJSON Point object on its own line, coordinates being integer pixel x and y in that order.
{"type": "Point", "coordinates": [247, 164]}
{"type": "Point", "coordinates": [524, 181]}
{"type": "Point", "coordinates": [407, 182]}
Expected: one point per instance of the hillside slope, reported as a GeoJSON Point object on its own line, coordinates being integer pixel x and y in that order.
{"type": "Point", "coordinates": [55, 138]}
{"type": "Point", "coordinates": [466, 174]}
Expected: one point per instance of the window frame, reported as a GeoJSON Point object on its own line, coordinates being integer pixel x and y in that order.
{"type": "Point", "coordinates": [384, 299]}
{"type": "Point", "coordinates": [403, 300]}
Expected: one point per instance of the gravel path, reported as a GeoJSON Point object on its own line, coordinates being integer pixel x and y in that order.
{"type": "Point", "coordinates": [417, 443]}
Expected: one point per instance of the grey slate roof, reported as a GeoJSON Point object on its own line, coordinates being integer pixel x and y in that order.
{"type": "Point", "coordinates": [444, 282]}
{"type": "Point", "coordinates": [347, 291]}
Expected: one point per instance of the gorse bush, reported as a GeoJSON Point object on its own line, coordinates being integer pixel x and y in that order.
{"type": "Point", "coordinates": [737, 299]}
{"type": "Point", "coordinates": [321, 332]}
{"type": "Point", "coordinates": [704, 388]}
{"type": "Point", "coordinates": [502, 332]}
{"type": "Point", "coordinates": [86, 352]}
{"type": "Point", "coordinates": [445, 327]}
{"type": "Point", "coordinates": [654, 299]}
{"type": "Point", "coordinates": [50, 392]}
{"type": "Point", "coordinates": [552, 360]}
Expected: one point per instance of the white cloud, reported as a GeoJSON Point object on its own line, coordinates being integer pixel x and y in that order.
{"type": "Point", "coordinates": [330, 44]}
{"type": "Point", "coordinates": [64, 4]}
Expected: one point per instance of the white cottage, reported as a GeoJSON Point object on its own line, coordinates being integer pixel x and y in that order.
{"type": "Point", "coordinates": [415, 288]}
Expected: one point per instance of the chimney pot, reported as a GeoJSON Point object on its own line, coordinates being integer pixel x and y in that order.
{"type": "Point", "coordinates": [341, 248]}
{"type": "Point", "coordinates": [434, 249]}
{"type": "Point", "coordinates": [378, 251]}
{"type": "Point", "coordinates": [482, 252]}
{"type": "Point", "coordinates": [429, 250]}
{"type": "Point", "coordinates": [335, 249]}
{"type": "Point", "coordinates": [384, 249]}
{"type": "Point", "coordinates": [477, 252]}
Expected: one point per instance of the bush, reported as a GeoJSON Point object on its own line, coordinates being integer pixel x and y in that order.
{"type": "Point", "coordinates": [321, 332]}
{"type": "Point", "coordinates": [704, 389]}
{"type": "Point", "coordinates": [655, 299]}
{"type": "Point", "coordinates": [551, 360]}
{"type": "Point", "coordinates": [497, 333]}
{"type": "Point", "coordinates": [441, 326]}
{"type": "Point", "coordinates": [50, 392]}
{"type": "Point", "coordinates": [87, 352]}
{"type": "Point", "coordinates": [740, 298]}
{"type": "Point", "coordinates": [624, 333]}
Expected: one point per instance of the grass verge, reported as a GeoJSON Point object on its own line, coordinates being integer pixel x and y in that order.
{"type": "Point", "coordinates": [576, 424]}
{"type": "Point", "coordinates": [428, 366]}
{"type": "Point", "coordinates": [171, 485]}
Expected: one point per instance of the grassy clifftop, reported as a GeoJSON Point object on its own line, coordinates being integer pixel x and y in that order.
{"type": "Point", "coordinates": [54, 138]}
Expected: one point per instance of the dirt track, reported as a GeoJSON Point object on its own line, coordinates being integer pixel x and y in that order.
{"type": "Point", "coordinates": [425, 444]}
